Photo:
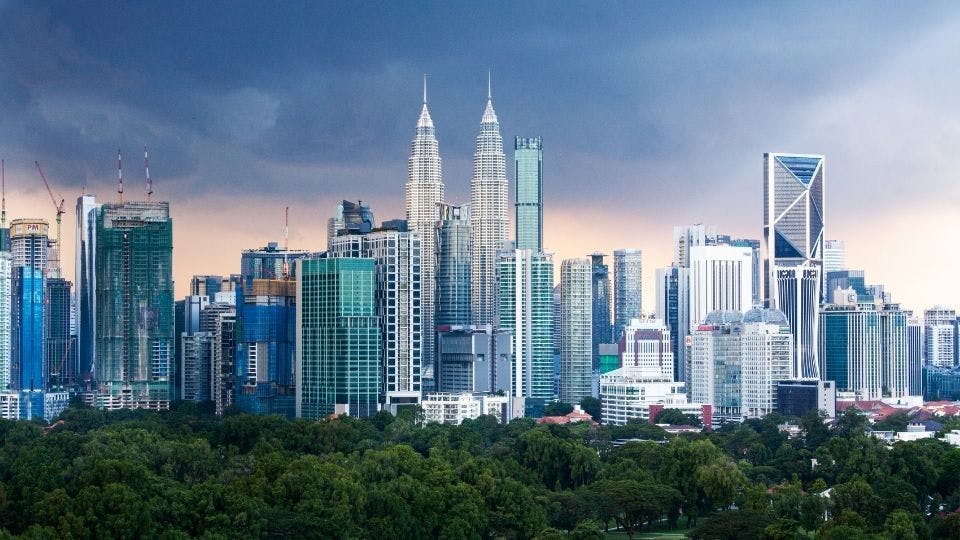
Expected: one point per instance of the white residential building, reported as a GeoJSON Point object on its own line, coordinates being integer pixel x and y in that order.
{"type": "Point", "coordinates": [447, 408]}
{"type": "Point", "coordinates": [576, 330]}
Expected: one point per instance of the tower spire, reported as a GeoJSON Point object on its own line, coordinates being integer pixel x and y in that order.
{"type": "Point", "coordinates": [424, 88]}
{"type": "Point", "coordinates": [489, 87]}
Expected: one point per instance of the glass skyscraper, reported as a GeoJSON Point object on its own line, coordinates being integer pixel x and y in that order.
{"type": "Point", "coordinates": [793, 230]}
{"type": "Point", "coordinates": [602, 329]}
{"type": "Point", "coordinates": [28, 245]}
{"type": "Point", "coordinates": [84, 278]}
{"type": "Point", "coordinates": [528, 158]}
{"type": "Point", "coordinates": [338, 338]}
{"type": "Point", "coordinates": [59, 358]}
{"type": "Point", "coordinates": [134, 304]}
{"type": "Point", "coordinates": [525, 281]}
{"type": "Point", "coordinates": [453, 266]}
{"type": "Point", "coordinates": [627, 289]}
{"type": "Point", "coordinates": [265, 346]}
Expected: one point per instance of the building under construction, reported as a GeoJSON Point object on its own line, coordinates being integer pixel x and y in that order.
{"type": "Point", "coordinates": [134, 306]}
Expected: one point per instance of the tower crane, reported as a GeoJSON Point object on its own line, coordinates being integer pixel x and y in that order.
{"type": "Point", "coordinates": [60, 211]}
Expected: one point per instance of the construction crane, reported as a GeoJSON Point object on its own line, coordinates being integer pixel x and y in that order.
{"type": "Point", "coordinates": [60, 212]}
{"type": "Point", "coordinates": [286, 240]}
{"type": "Point", "coordinates": [3, 194]}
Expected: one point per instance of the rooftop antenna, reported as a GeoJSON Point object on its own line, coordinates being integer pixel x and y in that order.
{"type": "Point", "coordinates": [489, 87]}
{"type": "Point", "coordinates": [146, 166]}
{"type": "Point", "coordinates": [424, 88]}
{"type": "Point", "coordinates": [120, 175]}
{"type": "Point", "coordinates": [3, 194]}
{"type": "Point", "coordinates": [286, 239]}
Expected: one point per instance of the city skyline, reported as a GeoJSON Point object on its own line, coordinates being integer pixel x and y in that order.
{"type": "Point", "coordinates": [218, 140]}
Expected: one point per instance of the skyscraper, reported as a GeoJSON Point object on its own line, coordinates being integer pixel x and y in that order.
{"type": "Point", "coordinates": [940, 336]}
{"type": "Point", "coordinates": [61, 370]}
{"type": "Point", "coordinates": [600, 283]}
{"type": "Point", "coordinates": [528, 157]}
{"type": "Point", "coordinates": [576, 343]}
{"type": "Point", "coordinates": [488, 214]}
{"type": "Point", "coordinates": [793, 226]}
{"type": "Point", "coordinates": [134, 305]}
{"type": "Point", "coordinates": [915, 355]}
{"type": "Point", "coordinates": [688, 236]}
{"type": "Point", "coordinates": [850, 349]}
{"type": "Point", "coordinates": [766, 351]}
{"type": "Point", "coordinates": [525, 296]}
{"type": "Point", "coordinates": [627, 288]}
{"type": "Point", "coordinates": [715, 364]}
{"type": "Point", "coordinates": [267, 262]}
{"type": "Point", "coordinates": [6, 268]}
{"type": "Point", "coordinates": [28, 246]}
{"type": "Point", "coordinates": [265, 341]}
{"type": "Point", "coordinates": [453, 266]}
{"type": "Point", "coordinates": [424, 194]}
{"type": "Point", "coordinates": [720, 279]}
{"type": "Point", "coordinates": [350, 217]}
{"type": "Point", "coordinates": [398, 295]}
{"type": "Point", "coordinates": [673, 300]}
{"type": "Point", "coordinates": [338, 338]}
{"type": "Point", "coordinates": [85, 286]}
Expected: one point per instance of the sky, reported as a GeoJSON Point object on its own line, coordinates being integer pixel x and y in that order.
{"type": "Point", "coordinates": [653, 114]}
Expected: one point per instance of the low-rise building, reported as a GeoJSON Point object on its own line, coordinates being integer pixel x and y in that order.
{"type": "Point", "coordinates": [450, 408]}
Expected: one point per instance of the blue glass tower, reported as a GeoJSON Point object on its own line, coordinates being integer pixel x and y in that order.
{"type": "Point", "coordinates": [27, 342]}
{"type": "Point", "coordinates": [528, 157]}
{"type": "Point", "coordinates": [265, 345]}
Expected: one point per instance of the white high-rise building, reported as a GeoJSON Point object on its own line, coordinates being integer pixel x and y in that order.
{"type": "Point", "coordinates": [687, 236]}
{"type": "Point", "coordinates": [720, 279]}
{"type": "Point", "coordinates": [939, 328]}
{"type": "Point", "coordinates": [647, 347]}
{"type": "Point", "coordinates": [715, 362]}
{"type": "Point", "coordinates": [627, 288]}
{"type": "Point", "coordinates": [488, 215]}
{"type": "Point", "coordinates": [576, 330]}
{"type": "Point", "coordinates": [766, 349]}
{"type": "Point", "coordinates": [834, 256]}
{"type": "Point", "coordinates": [6, 268]}
{"type": "Point", "coordinates": [424, 194]}
{"type": "Point", "coordinates": [399, 302]}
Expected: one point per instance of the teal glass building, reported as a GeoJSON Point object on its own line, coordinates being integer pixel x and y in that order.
{"type": "Point", "coordinates": [525, 281]}
{"type": "Point", "coordinates": [338, 338]}
{"type": "Point", "coordinates": [528, 158]}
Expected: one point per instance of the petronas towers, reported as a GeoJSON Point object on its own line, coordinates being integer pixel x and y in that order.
{"type": "Point", "coordinates": [424, 193]}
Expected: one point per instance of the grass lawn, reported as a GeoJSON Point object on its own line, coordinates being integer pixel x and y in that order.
{"type": "Point", "coordinates": [676, 534]}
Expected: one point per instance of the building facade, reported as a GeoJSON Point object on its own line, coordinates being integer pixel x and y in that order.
{"type": "Point", "coordinates": [766, 349]}
{"type": "Point", "coordinates": [453, 266]}
{"type": "Point", "coordinates": [528, 158]}
{"type": "Point", "coordinates": [602, 299]}
{"type": "Point", "coordinates": [940, 336]}
{"type": "Point", "coordinates": [338, 369]}
{"type": "Point", "coordinates": [576, 339]}
{"type": "Point", "coordinates": [134, 304]}
{"type": "Point", "coordinates": [673, 302]}
{"type": "Point", "coordinates": [525, 295]}
{"type": "Point", "coordinates": [627, 288]}
{"type": "Point", "coordinates": [85, 279]}
{"type": "Point", "coordinates": [715, 364]}
{"type": "Point", "coordinates": [59, 353]}
{"type": "Point", "coordinates": [647, 345]}
{"type": "Point", "coordinates": [488, 215]}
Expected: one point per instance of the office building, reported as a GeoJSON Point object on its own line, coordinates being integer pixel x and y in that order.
{"type": "Point", "coordinates": [646, 345]}
{"type": "Point", "coordinates": [793, 227]}
{"type": "Point", "coordinates": [453, 266]}
{"type": "Point", "coordinates": [134, 305]}
{"type": "Point", "coordinates": [627, 394]}
{"type": "Point", "coordinates": [338, 368]}
{"type": "Point", "coordinates": [28, 247]}
{"type": "Point", "coordinates": [853, 279]}
{"type": "Point", "coordinates": [399, 308]}
{"type": "Point", "coordinates": [715, 364]}
{"type": "Point", "coordinates": [576, 340]}
{"type": "Point", "coordinates": [350, 217]}
{"type": "Point", "coordinates": [686, 237]}
{"type": "Point", "coordinates": [265, 338]}
{"type": "Point", "coordinates": [211, 285]}
{"type": "Point", "coordinates": [602, 298]}
{"type": "Point", "coordinates": [85, 286]}
{"type": "Point", "coordinates": [424, 194]}
{"type": "Point", "coordinates": [756, 295]}
{"type": "Point", "coordinates": [627, 288]}
{"type": "Point", "coordinates": [766, 349]}
{"type": "Point", "coordinates": [941, 383]}
{"type": "Point", "coordinates": [59, 354]}
{"type": "Point", "coordinates": [488, 215]}
{"type": "Point", "coordinates": [528, 158]}
{"type": "Point", "coordinates": [609, 357]}
{"type": "Point", "coordinates": [525, 295]}
{"type": "Point", "coordinates": [800, 396]}
{"type": "Point", "coordinates": [939, 328]}
{"type": "Point", "coordinates": [834, 256]}
{"type": "Point", "coordinates": [720, 279]}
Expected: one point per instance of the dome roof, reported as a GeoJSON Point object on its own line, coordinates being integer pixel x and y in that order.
{"type": "Point", "coordinates": [770, 316]}
{"type": "Point", "coordinates": [723, 316]}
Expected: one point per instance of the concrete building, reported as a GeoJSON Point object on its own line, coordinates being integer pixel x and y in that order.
{"type": "Point", "coordinates": [720, 279]}
{"type": "Point", "coordinates": [469, 359]}
{"type": "Point", "coordinates": [766, 349]}
{"type": "Point", "coordinates": [715, 364]}
{"type": "Point", "coordinates": [627, 394]}
{"type": "Point", "coordinates": [646, 345]}
{"type": "Point", "coordinates": [940, 336]}
{"type": "Point", "coordinates": [454, 408]}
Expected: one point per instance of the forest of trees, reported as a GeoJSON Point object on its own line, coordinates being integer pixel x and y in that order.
{"type": "Point", "coordinates": [186, 473]}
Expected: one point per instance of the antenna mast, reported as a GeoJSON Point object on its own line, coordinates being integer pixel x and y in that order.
{"type": "Point", "coordinates": [120, 175]}
{"type": "Point", "coordinates": [286, 240]}
{"type": "Point", "coordinates": [146, 166]}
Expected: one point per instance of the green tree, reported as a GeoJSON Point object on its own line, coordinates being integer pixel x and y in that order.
{"type": "Point", "coordinates": [591, 406]}
{"type": "Point", "coordinates": [676, 417]}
